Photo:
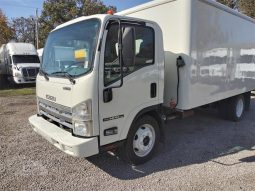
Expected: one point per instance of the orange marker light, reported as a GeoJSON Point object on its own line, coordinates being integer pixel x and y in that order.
{"type": "Point", "coordinates": [110, 12]}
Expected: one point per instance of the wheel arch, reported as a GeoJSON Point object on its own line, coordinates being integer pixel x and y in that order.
{"type": "Point", "coordinates": [154, 111]}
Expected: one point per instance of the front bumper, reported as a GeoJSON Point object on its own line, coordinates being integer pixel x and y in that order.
{"type": "Point", "coordinates": [63, 140]}
{"type": "Point", "coordinates": [22, 80]}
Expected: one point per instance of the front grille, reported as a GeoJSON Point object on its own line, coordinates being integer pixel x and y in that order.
{"type": "Point", "coordinates": [58, 113]}
{"type": "Point", "coordinates": [30, 72]}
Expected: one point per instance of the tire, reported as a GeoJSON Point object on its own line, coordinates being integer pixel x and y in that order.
{"type": "Point", "coordinates": [142, 141]}
{"type": "Point", "coordinates": [236, 108]}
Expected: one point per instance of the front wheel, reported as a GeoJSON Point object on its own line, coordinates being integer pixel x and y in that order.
{"type": "Point", "coordinates": [142, 140]}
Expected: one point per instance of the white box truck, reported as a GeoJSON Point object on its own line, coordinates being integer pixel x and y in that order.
{"type": "Point", "coordinates": [19, 62]}
{"type": "Point", "coordinates": [130, 72]}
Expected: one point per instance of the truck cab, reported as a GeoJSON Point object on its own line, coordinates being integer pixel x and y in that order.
{"type": "Point", "coordinates": [101, 85]}
{"type": "Point", "coordinates": [20, 62]}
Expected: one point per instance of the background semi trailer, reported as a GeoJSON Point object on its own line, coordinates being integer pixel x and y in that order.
{"type": "Point", "coordinates": [19, 62]}
{"type": "Point", "coordinates": [124, 75]}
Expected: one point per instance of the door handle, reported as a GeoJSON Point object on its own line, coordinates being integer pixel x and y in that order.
{"type": "Point", "coordinates": [153, 90]}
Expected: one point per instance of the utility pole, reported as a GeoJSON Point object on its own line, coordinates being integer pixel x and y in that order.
{"type": "Point", "coordinates": [36, 28]}
{"type": "Point", "coordinates": [235, 4]}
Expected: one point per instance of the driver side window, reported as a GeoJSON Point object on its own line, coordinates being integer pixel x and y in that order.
{"type": "Point", "coordinates": [111, 62]}
{"type": "Point", "coordinates": [144, 52]}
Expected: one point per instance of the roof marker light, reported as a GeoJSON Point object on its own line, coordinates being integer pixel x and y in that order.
{"type": "Point", "coordinates": [110, 12]}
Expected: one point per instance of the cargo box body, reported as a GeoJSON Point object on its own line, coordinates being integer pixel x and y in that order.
{"type": "Point", "coordinates": [216, 43]}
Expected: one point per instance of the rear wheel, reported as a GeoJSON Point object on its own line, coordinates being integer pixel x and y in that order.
{"type": "Point", "coordinates": [233, 108]}
{"type": "Point", "coordinates": [236, 108]}
{"type": "Point", "coordinates": [142, 140]}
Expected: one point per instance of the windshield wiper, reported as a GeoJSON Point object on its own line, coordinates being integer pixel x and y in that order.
{"type": "Point", "coordinates": [45, 75]}
{"type": "Point", "coordinates": [67, 75]}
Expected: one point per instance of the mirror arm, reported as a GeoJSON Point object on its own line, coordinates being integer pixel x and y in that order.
{"type": "Point", "coordinates": [120, 55]}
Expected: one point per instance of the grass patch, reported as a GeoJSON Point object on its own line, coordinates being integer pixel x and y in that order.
{"type": "Point", "coordinates": [17, 92]}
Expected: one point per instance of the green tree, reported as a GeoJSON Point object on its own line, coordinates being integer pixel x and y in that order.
{"type": "Point", "coordinates": [56, 12]}
{"type": "Point", "coordinates": [6, 33]}
{"type": "Point", "coordinates": [246, 7]}
{"type": "Point", "coordinates": [90, 7]}
{"type": "Point", "coordinates": [230, 3]}
{"type": "Point", "coordinates": [24, 29]}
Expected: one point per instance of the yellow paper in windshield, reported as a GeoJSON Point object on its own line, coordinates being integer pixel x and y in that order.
{"type": "Point", "coordinates": [80, 54]}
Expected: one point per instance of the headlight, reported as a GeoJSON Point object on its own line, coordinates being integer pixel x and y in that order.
{"type": "Point", "coordinates": [82, 111]}
{"type": "Point", "coordinates": [84, 129]}
{"type": "Point", "coordinates": [16, 74]}
{"type": "Point", "coordinates": [82, 119]}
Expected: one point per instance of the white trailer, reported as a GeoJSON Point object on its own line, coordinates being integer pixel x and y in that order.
{"type": "Point", "coordinates": [132, 71]}
{"type": "Point", "coordinates": [19, 62]}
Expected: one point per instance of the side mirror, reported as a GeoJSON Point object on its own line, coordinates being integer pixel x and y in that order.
{"type": "Point", "coordinates": [107, 94]}
{"type": "Point", "coordinates": [128, 46]}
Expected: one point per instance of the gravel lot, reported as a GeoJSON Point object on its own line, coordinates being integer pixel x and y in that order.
{"type": "Point", "coordinates": [202, 152]}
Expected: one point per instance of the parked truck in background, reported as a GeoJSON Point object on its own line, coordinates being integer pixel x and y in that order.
{"type": "Point", "coordinates": [19, 62]}
{"type": "Point", "coordinates": [122, 76]}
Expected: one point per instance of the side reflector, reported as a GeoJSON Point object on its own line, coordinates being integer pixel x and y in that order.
{"type": "Point", "coordinates": [111, 131]}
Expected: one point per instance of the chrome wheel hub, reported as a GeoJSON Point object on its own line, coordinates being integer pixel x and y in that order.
{"type": "Point", "coordinates": [144, 140]}
{"type": "Point", "coordinates": [239, 108]}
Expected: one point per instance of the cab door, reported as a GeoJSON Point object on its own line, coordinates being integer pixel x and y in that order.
{"type": "Point", "coordinates": [137, 89]}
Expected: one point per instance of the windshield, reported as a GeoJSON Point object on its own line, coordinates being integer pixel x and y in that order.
{"type": "Point", "coordinates": [25, 59]}
{"type": "Point", "coordinates": [71, 49]}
